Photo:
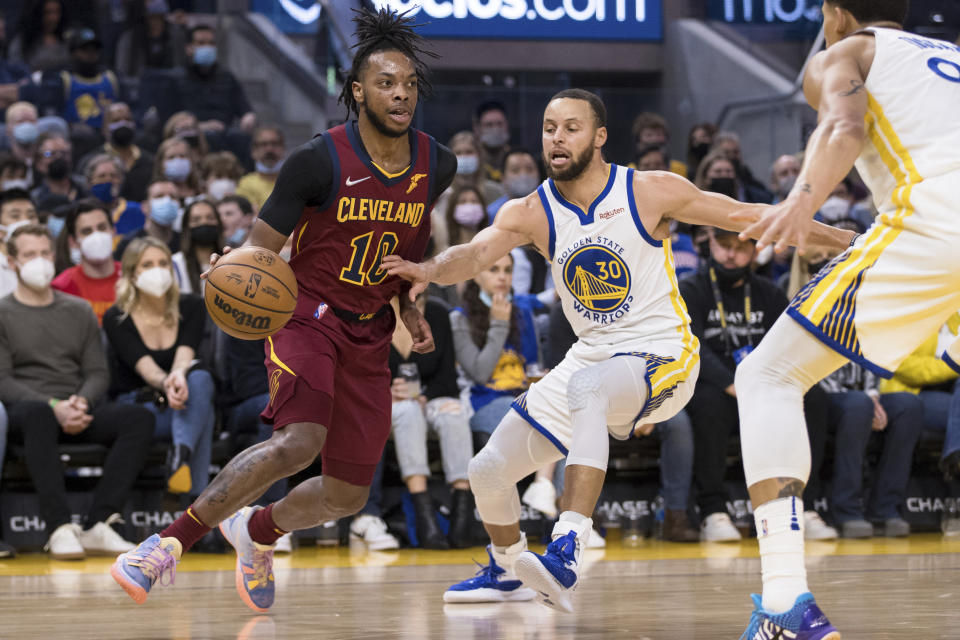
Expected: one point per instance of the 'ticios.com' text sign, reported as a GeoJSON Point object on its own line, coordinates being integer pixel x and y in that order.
{"type": "Point", "coordinates": [630, 20]}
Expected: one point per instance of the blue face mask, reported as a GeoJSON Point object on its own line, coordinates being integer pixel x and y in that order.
{"type": "Point", "coordinates": [237, 237]}
{"type": "Point", "coordinates": [26, 133]}
{"type": "Point", "coordinates": [103, 192]}
{"type": "Point", "coordinates": [205, 55]}
{"type": "Point", "coordinates": [55, 225]}
{"type": "Point", "coordinates": [269, 169]}
{"type": "Point", "coordinates": [487, 300]}
{"type": "Point", "coordinates": [163, 211]}
{"type": "Point", "coordinates": [177, 169]}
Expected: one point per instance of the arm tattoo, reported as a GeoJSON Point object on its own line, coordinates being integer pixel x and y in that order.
{"type": "Point", "coordinates": [790, 487]}
{"type": "Point", "coordinates": [806, 188]}
{"type": "Point", "coordinates": [855, 87]}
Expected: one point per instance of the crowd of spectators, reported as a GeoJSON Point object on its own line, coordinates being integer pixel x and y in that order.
{"type": "Point", "coordinates": [110, 207]}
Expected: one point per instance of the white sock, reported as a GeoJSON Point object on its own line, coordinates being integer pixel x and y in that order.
{"type": "Point", "coordinates": [506, 556]}
{"type": "Point", "coordinates": [780, 531]}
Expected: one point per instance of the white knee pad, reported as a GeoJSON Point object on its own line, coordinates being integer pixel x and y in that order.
{"type": "Point", "coordinates": [498, 501]}
{"type": "Point", "coordinates": [585, 385]}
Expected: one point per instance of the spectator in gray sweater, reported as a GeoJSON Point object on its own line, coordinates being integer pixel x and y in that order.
{"type": "Point", "coordinates": [53, 377]}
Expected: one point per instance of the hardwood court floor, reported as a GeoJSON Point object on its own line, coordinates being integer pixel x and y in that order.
{"type": "Point", "coordinates": [870, 589]}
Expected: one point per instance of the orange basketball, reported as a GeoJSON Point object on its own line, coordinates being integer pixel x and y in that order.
{"type": "Point", "coordinates": [251, 293]}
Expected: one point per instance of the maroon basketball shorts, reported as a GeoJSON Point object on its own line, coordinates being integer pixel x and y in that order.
{"type": "Point", "coordinates": [334, 372]}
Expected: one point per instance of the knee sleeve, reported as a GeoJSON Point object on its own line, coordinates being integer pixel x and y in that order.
{"type": "Point", "coordinates": [498, 501]}
{"type": "Point", "coordinates": [585, 386]}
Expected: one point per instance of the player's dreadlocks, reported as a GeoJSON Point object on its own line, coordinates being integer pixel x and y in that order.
{"type": "Point", "coordinates": [385, 30]}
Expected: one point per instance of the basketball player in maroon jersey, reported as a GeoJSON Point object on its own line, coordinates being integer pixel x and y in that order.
{"type": "Point", "coordinates": [351, 196]}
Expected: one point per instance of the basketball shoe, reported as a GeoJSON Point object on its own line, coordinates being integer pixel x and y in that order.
{"type": "Point", "coordinates": [804, 622]}
{"type": "Point", "coordinates": [254, 574]}
{"type": "Point", "coordinates": [138, 570]}
{"type": "Point", "coordinates": [555, 573]}
{"type": "Point", "coordinates": [492, 583]}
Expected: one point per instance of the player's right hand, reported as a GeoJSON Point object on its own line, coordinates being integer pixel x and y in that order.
{"type": "Point", "coordinates": [214, 259]}
{"type": "Point", "coordinates": [414, 272]}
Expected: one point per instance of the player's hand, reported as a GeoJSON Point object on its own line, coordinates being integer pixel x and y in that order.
{"type": "Point", "coordinates": [419, 330]}
{"type": "Point", "coordinates": [879, 416]}
{"type": "Point", "coordinates": [414, 272]}
{"type": "Point", "coordinates": [501, 307]}
{"type": "Point", "coordinates": [782, 225]}
{"type": "Point", "coordinates": [214, 259]}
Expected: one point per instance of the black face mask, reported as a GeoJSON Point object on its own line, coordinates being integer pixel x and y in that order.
{"type": "Point", "coordinates": [814, 267]}
{"type": "Point", "coordinates": [192, 140]}
{"type": "Point", "coordinates": [726, 278]}
{"type": "Point", "coordinates": [700, 151]}
{"type": "Point", "coordinates": [726, 186]}
{"type": "Point", "coordinates": [86, 69]}
{"type": "Point", "coordinates": [122, 136]}
{"type": "Point", "coordinates": [206, 235]}
{"type": "Point", "coordinates": [58, 169]}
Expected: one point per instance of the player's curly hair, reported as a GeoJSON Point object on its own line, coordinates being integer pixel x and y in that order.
{"type": "Point", "coordinates": [386, 30]}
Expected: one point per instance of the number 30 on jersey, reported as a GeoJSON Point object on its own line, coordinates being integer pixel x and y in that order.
{"type": "Point", "coordinates": [360, 273]}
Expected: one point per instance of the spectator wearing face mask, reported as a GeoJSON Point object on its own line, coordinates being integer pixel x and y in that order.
{"type": "Point", "coordinates": [651, 130]}
{"type": "Point", "coordinates": [16, 210]}
{"type": "Point", "coordinates": [699, 141]}
{"type": "Point", "coordinates": [13, 173]}
{"type": "Point", "coordinates": [521, 177]}
{"type": "Point", "coordinates": [783, 175]}
{"type": "Point", "coordinates": [220, 172]}
{"type": "Point", "coordinates": [750, 189]}
{"type": "Point", "coordinates": [55, 168]}
{"type": "Point", "coordinates": [268, 151]}
{"type": "Point", "coordinates": [469, 174]}
{"type": "Point", "coordinates": [94, 276]}
{"type": "Point", "coordinates": [184, 125]}
{"type": "Point", "coordinates": [652, 158]}
{"type": "Point", "coordinates": [161, 210]}
{"type": "Point", "coordinates": [119, 130]}
{"type": "Point", "coordinates": [22, 131]}
{"type": "Point", "coordinates": [718, 175]}
{"type": "Point", "coordinates": [105, 175]}
{"type": "Point", "coordinates": [492, 129]}
{"type": "Point", "coordinates": [175, 163]}
{"type": "Point", "coordinates": [236, 213]}
{"type": "Point", "coordinates": [202, 235]}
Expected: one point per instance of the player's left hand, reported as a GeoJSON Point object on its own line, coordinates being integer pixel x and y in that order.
{"type": "Point", "coordinates": [782, 225]}
{"type": "Point", "coordinates": [415, 272]}
{"type": "Point", "coordinates": [419, 330]}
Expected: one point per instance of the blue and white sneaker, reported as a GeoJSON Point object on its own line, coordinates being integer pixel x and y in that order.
{"type": "Point", "coordinates": [492, 583]}
{"type": "Point", "coordinates": [555, 574]}
{"type": "Point", "coordinates": [805, 621]}
{"type": "Point", "coordinates": [254, 573]}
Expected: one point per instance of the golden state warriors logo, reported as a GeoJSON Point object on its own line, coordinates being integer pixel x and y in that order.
{"type": "Point", "coordinates": [598, 278]}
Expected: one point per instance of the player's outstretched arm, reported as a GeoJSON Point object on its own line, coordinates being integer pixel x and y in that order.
{"type": "Point", "coordinates": [834, 85]}
{"type": "Point", "coordinates": [514, 226]}
{"type": "Point", "coordinates": [680, 200]}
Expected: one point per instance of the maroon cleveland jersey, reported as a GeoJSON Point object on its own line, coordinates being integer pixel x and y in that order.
{"type": "Point", "coordinates": [338, 244]}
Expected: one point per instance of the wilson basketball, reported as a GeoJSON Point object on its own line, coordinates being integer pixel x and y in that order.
{"type": "Point", "coordinates": [251, 293]}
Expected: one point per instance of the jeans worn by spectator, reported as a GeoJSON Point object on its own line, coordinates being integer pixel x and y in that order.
{"type": "Point", "coordinates": [676, 460]}
{"type": "Point", "coordinates": [410, 422]}
{"type": "Point", "coordinates": [851, 415]}
{"type": "Point", "coordinates": [244, 418]}
{"type": "Point", "coordinates": [374, 506]}
{"type": "Point", "coordinates": [191, 426]}
{"type": "Point", "coordinates": [904, 424]}
{"type": "Point", "coordinates": [127, 432]}
{"type": "Point", "coordinates": [487, 417]}
{"type": "Point", "coordinates": [941, 414]}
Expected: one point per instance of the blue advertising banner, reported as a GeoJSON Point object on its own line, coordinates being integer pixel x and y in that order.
{"type": "Point", "coordinates": [623, 20]}
{"type": "Point", "coordinates": [765, 12]}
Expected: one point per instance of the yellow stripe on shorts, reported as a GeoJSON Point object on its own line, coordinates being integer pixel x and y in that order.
{"type": "Point", "coordinates": [669, 375]}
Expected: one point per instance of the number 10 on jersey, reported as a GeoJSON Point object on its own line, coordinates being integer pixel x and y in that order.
{"type": "Point", "coordinates": [355, 273]}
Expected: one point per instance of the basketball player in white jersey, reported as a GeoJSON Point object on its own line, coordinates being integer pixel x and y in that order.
{"type": "Point", "coordinates": [605, 229]}
{"type": "Point", "coordinates": [887, 100]}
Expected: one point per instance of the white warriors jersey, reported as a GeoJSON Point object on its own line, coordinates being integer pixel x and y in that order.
{"type": "Point", "coordinates": [913, 90]}
{"type": "Point", "coordinates": [617, 285]}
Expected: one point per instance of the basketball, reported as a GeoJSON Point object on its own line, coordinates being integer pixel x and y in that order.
{"type": "Point", "coordinates": [251, 293]}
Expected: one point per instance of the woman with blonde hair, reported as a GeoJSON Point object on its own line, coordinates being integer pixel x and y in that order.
{"type": "Point", "coordinates": [177, 163]}
{"type": "Point", "coordinates": [155, 332]}
{"type": "Point", "coordinates": [184, 125]}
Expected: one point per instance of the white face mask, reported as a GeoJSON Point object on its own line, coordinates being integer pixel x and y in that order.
{"type": "Point", "coordinates": [835, 208]}
{"type": "Point", "coordinates": [155, 281]}
{"type": "Point", "coordinates": [468, 165]}
{"type": "Point", "coordinates": [21, 183]}
{"type": "Point", "coordinates": [10, 228]}
{"type": "Point", "coordinates": [37, 273]}
{"type": "Point", "coordinates": [97, 247]}
{"type": "Point", "coordinates": [221, 187]}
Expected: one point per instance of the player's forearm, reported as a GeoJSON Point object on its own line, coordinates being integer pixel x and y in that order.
{"type": "Point", "coordinates": [458, 263]}
{"type": "Point", "coordinates": [263, 235]}
{"type": "Point", "coordinates": [831, 152]}
{"type": "Point", "coordinates": [830, 237]}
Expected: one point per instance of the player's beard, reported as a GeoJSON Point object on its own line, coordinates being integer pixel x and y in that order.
{"type": "Point", "coordinates": [381, 126]}
{"type": "Point", "coordinates": [578, 164]}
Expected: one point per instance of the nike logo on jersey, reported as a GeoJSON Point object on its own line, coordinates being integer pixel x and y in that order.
{"type": "Point", "coordinates": [351, 182]}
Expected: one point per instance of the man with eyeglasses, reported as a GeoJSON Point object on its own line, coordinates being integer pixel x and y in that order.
{"type": "Point", "coordinates": [268, 151]}
{"type": "Point", "coordinates": [54, 165]}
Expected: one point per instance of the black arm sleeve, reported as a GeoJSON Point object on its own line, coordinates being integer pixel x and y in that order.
{"type": "Point", "coordinates": [446, 171]}
{"type": "Point", "coordinates": [305, 179]}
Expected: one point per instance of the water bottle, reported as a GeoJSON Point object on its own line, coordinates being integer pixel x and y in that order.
{"type": "Point", "coordinates": [411, 375]}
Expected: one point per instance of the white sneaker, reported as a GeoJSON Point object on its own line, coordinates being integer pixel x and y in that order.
{"type": "Point", "coordinates": [814, 528]}
{"type": "Point", "coordinates": [102, 540]}
{"type": "Point", "coordinates": [596, 541]}
{"type": "Point", "coordinates": [542, 496]}
{"type": "Point", "coordinates": [284, 544]}
{"type": "Point", "coordinates": [64, 544]}
{"type": "Point", "coordinates": [718, 527]}
{"type": "Point", "coordinates": [372, 531]}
